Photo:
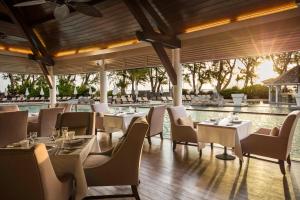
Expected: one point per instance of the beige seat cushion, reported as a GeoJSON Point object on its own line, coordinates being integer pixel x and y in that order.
{"type": "Point", "coordinates": [186, 121]}
{"type": "Point", "coordinates": [274, 131]}
{"type": "Point", "coordinates": [95, 160]}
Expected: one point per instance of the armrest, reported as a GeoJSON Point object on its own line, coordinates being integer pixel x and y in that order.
{"type": "Point", "coordinates": [265, 145]}
{"type": "Point", "coordinates": [195, 124]}
{"type": "Point", "coordinates": [104, 153]}
{"type": "Point", "coordinates": [264, 131]}
{"type": "Point", "coordinates": [184, 133]}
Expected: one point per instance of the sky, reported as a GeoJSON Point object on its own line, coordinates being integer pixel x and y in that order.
{"type": "Point", "coordinates": [264, 71]}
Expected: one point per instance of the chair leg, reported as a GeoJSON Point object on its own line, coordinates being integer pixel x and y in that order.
{"type": "Point", "coordinates": [174, 145]}
{"type": "Point", "coordinates": [149, 140]}
{"type": "Point", "coordinates": [110, 136]}
{"type": "Point", "coordinates": [211, 146]}
{"type": "Point", "coordinates": [200, 153]}
{"type": "Point", "coordinates": [161, 136]}
{"type": "Point", "coordinates": [135, 192]}
{"type": "Point", "coordinates": [281, 165]}
{"type": "Point", "coordinates": [288, 160]}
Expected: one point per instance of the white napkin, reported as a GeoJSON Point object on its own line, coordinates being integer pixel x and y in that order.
{"type": "Point", "coordinates": [224, 122]}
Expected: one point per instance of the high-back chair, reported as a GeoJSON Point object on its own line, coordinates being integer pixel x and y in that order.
{"type": "Point", "coordinates": [268, 145]}
{"type": "Point", "coordinates": [181, 134]}
{"type": "Point", "coordinates": [104, 169]}
{"type": "Point", "coordinates": [28, 174]}
{"type": "Point", "coordinates": [13, 127]}
{"type": "Point", "coordinates": [100, 109]}
{"type": "Point", "coordinates": [9, 108]}
{"type": "Point", "coordinates": [83, 123]}
{"type": "Point", "coordinates": [46, 122]}
{"type": "Point", "coordinates": [67, 106]}
{"type": "Point", "coordinates": [155, 119]}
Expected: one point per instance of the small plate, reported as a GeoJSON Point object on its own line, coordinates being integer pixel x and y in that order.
{"type": "Point", "coordinates": [237, 121]}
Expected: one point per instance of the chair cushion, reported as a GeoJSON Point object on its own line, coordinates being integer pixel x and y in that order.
{"type": "Point", "coordinates": [274, 131]}
{"type": "Point", "coordinates": [95, 160]}
{"type": "Point", "coordinates": [186, 121]}
{"type": "Point", "coordinates": [78, 130]}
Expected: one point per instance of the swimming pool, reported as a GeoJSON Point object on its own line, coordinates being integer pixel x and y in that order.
{"type": "Point", "coordinates": [260, 115]}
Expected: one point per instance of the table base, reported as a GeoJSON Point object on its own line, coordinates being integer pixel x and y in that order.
{"type": "Point", "coordinates": [225, 156]}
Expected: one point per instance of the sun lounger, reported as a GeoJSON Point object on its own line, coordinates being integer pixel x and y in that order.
{"type": "Point", "coordinates": [145, 99]}
{"type": "Point", "coordinates": [164, 99]}
{"type": "Point", "coordinates": [170, 98]}
{"type": "Point", "coordinates": [124, 99]}
{"type": "Point", "coordinates": [129, 99]}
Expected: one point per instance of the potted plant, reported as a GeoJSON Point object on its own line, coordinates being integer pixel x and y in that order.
{"type": "Point", "coordinates": [237, 98]}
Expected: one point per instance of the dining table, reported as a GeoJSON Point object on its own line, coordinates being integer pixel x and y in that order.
{"type": "Point", "coordinates": [69, 159]}
{"type": "Point", "coordinates": [226, 134]}
{"type": "Point", "coordinates": [113, 122]}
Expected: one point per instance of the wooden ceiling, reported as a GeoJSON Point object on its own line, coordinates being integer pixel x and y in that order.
{"type": "Point", "coordinates": [118, 24]}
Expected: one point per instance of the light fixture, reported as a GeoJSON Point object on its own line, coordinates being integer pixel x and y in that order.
{"type": "Point", "coordinates": [123, 43]}
{"type": "Point", "coordinates": [20, 50]}
{"type": "Point", "coordinates": [267, 11]}
{"type": "Point", "coordinates": [86, 50]}
{"type": "Point", "coordinates": [2, 48]}
{"type": "Point", "coordinates": [208, 25]}
{"type": "Point", "coordinates": [65, 53]}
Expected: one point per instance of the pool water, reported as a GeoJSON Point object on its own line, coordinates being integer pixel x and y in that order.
{"type": "Point", "coordinates": [263, 119]}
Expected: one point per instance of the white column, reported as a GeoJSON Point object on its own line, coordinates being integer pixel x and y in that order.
{"type": "Point", "coordinates": [103, 82]}
{"type": "Point", "coordinates": [270, 94]}
{"type": "Point", "coordinates": [177, 89]}
{"type": "Point", "coordinates": [52, 92]}
{"type": "Point", "coordinates": [277, 93]}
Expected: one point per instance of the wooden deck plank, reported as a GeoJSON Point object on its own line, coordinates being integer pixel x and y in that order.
{"type": "Point", "coordinates": [181, 175]}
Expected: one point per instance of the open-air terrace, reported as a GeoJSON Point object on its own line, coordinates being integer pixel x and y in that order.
{"type": "Point", "coordinates": [149, 99]}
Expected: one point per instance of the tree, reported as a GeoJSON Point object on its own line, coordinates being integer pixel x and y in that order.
{"type": "Point", "coordinates": [248, 73]}
{"type": "Point", "coordinates": [197, 75]}
{"type": "Point", "coordinates": [136, 76]}
{"type": "Point", "coordinates": [120, 79]}
{"type": "Point", "coordinates": [222, 72]}
{"type": "Point", "coordinates": [283, 60]}
{"type": "Point", "coordinates": [157, 77]}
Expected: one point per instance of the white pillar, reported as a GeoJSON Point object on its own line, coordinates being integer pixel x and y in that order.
{"type": "Point", "coordinates": [270, 94]}
{"type": "Point", "coordinates": [277, 94]}
{"type": "Point", "coordinates": [103, 82]}
{"type": "Point", "coordinates": [52, 92]}
{"type": "Point", "coordinates": [177, 89]}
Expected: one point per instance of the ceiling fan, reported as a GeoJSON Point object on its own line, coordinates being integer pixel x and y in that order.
{"type": "Point", "coordinates": [3, 36]}
{"type": "Point", "coordinates": [62, 9]}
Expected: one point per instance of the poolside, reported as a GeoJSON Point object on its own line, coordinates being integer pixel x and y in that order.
{"type": "Point", "coordinates": [261, 115]}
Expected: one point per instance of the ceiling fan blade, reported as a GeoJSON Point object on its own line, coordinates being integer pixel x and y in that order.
{"type": "Point", "coordinates": [30, 3]}
{"type": "Point", "coordinates": [86, 9]}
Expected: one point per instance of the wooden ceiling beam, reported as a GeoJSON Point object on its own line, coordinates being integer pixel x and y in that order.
{"type": "Point", "coordinates": [36, 45]}
{"type": "Point", "coordinates": [157, 43]}
{"type": "Point", "coordinates": [166, 40]}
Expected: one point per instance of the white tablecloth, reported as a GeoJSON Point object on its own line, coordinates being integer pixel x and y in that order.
{"type": "Point", "coordinates": [72, 163]}
{"type": "Point", "coordinates": [228, 136]}
{"type": "Point", "coordinates": [117, 122]}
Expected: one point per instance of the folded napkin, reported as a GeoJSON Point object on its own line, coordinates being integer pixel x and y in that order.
{"type": "Point", "coordinates": [224, 122]}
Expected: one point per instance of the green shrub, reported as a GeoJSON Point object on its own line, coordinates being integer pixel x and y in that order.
{"type": "Point", "coordinates": [253, 92]}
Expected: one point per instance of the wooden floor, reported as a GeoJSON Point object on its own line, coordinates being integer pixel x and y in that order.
{"type": "Point", "coordinates": [165, 174]}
